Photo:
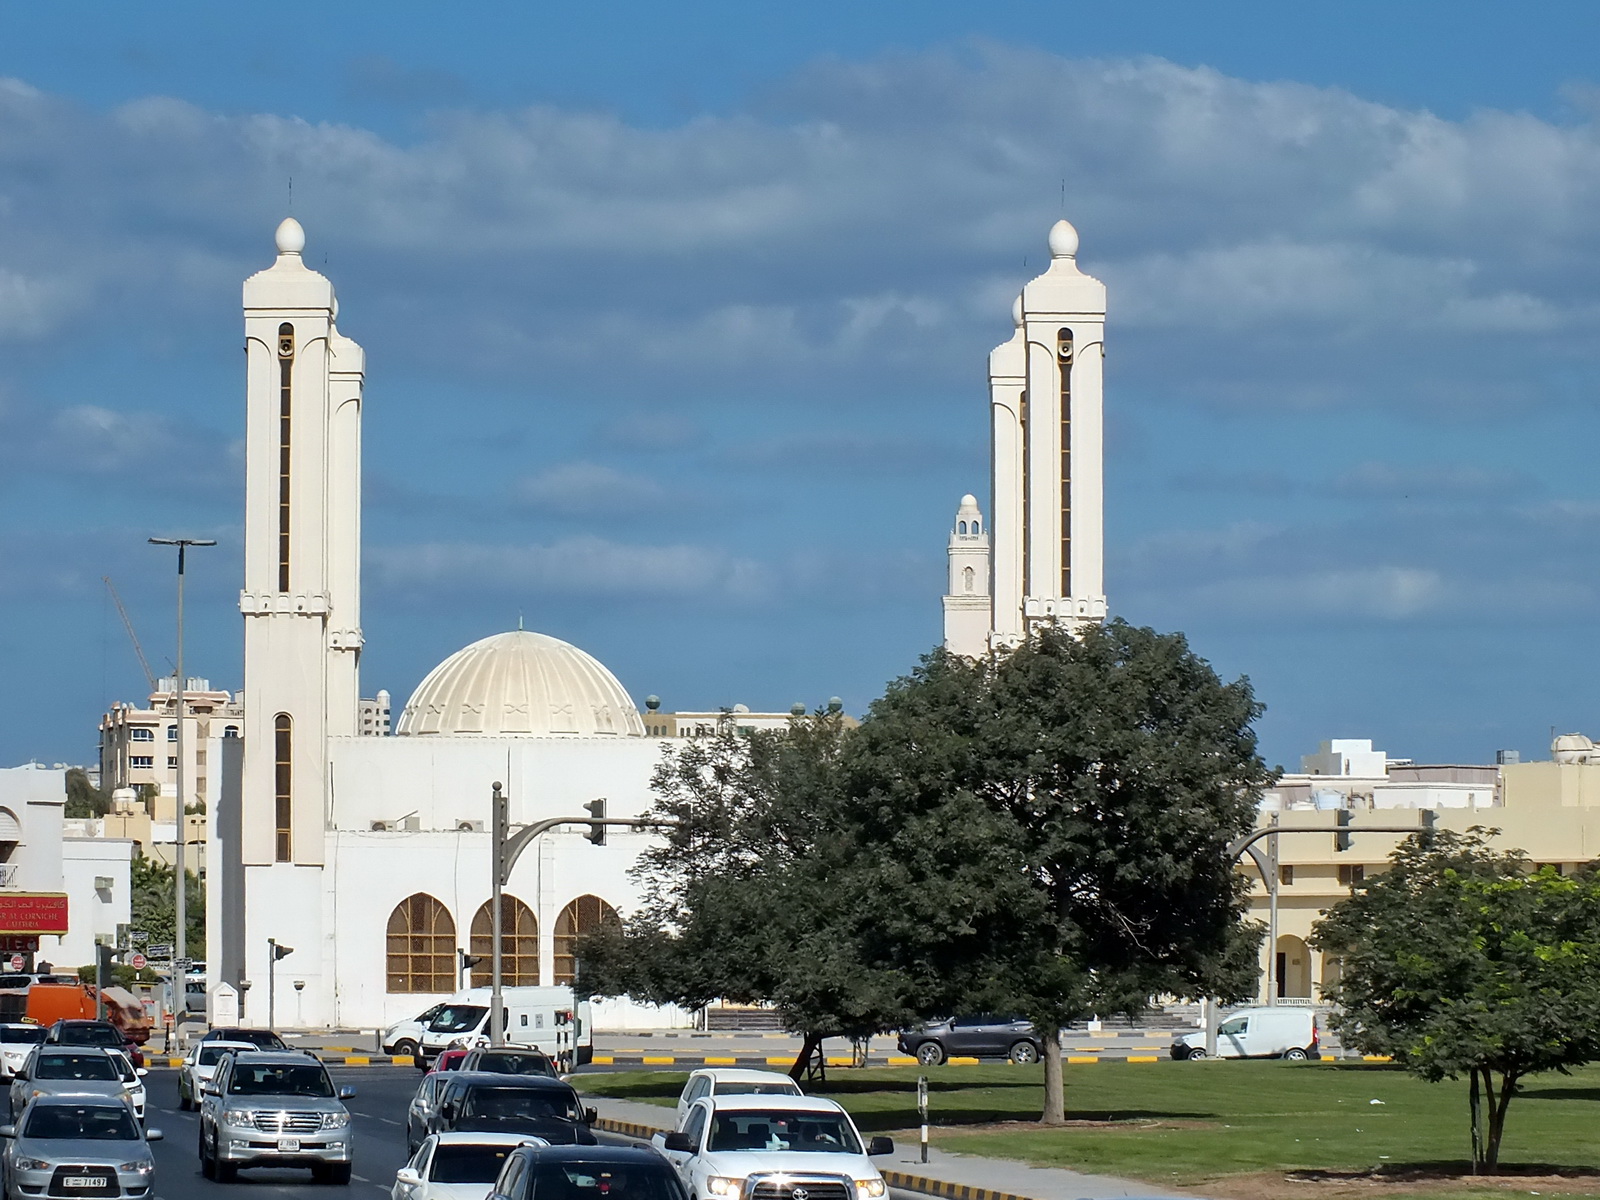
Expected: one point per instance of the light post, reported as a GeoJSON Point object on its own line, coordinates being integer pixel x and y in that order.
{"type": "Point", "coordinates": [180, 947]}
{"type": "Point", "coordinates": [274, 953]}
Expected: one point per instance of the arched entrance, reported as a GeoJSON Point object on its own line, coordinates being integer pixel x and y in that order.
{"type": "Point", "coordinates": [421, 946]}
{"type": "Point", "coordinates": [1294, 968]}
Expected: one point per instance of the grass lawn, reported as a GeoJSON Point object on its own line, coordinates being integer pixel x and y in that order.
{"type": "Point", "coordinates": [1230, 1128]}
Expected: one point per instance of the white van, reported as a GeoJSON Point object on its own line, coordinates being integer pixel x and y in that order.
{"type": "Point", "coordinates": [551, 1019]}
{"type": "Point", "coordinates": [1286, 1032]}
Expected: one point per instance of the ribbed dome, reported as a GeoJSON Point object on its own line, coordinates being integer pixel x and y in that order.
{"type": "Point", "coordinates": [520, 684]}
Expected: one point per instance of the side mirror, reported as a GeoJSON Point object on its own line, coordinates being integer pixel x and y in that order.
{"type": "Point", "coordinates": [880, 1145]}
{"type": "Point", "coordinates": [153, 1135]}
{"type": "Point", "coordinates": [590, 1116]}
{"type": "Point", "coordinates": [8, 1131]}
{"type": "Point", "coordinates": [141, 1071]}
{"type": "Point", "coordinates": [209, 1089]}
{"type": "Point", "coordinates": [681, 1142]}
{"type": "Point", "coordinates": [407, 1176]}
{"type": "Point", "coordinates": [347, 1092]}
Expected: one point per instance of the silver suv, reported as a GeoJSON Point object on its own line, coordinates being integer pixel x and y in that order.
{"type": "Point", "coordinates": [274, 1110]}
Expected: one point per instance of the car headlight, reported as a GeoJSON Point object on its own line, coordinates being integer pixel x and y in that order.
{"type": "Point", "coordinates": [335, 1120]}
{"type": "Point", "coordinates": [722, 1185]}
{"type": "Point", "coordinates": [30, 1164]}
{"type": "Point", "coordinates": [239, 1116]}
{"type": "Point", "coordinates": [142, 1167]}
{"type": "Point", "coordinates": [871, 1188]}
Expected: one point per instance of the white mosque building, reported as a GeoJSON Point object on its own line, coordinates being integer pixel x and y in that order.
{"type": "Point", "coordinates": [369, 856]}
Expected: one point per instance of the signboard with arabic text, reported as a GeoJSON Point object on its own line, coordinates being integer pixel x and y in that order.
{"type": "Point", "coordinates": [33, 912]}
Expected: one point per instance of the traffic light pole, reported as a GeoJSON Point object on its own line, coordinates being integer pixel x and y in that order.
{"type": "Point", "coordinates": [505, 848]}
{"type": "Point", "coordinates": [274, 953]}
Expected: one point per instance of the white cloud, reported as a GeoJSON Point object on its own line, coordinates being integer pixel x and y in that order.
{"type": "Point", "coordinates": [587, 489]}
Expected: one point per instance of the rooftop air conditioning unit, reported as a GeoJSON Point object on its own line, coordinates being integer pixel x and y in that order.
{"type": "Point", "coordinates": [469, 826]}
{"type": "Point", "coordinates": [383, 827]}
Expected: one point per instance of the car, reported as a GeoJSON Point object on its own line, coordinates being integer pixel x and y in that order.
{"type": "Point", "coordinates": [83, 1032]}
{"type": "Point", "coordinates": [423, 1108]}
{"type": "Point", "coordinates": [80, 1070]}
{"type": "Point", "coordinates": [78, 1146]}
{"type": "Point", "coordinates": [637, 1172]}
{"type": "Point", "coordinates": [732, 1081]}
{"type": "Point", "coordinates": [262, 1039]}
{"type": "Point", "coordinates": [755, 1145]}
{"type": "Point", "coordinates": [274, 1109]}
{"type": "Point", "coordinates": [457, 1166]}
{"type": "Point", "coordinates": [481, 1103]}
{"type": "Point", "coordinates": [132, 1081]}
{"type": "Point", "coordinates": [200, 1064]}
{"type": "Point", "coordinates": [16, 1043]}
{"type": "Point", "coordinates": [1289, 1032]}
{"type": "Point", "coordinates": [509, 1060]}
{"type": "Point", "coordinates": [982, 1036]}
{"type": "Point", "coordinates": [405, 1037]}
{"type": "Point", "coordinates": [449, 1060]}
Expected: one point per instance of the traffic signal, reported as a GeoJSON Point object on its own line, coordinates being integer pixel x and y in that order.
{"type": "Point", "coordinates": [597, 832]}
{"type": "Point", "coordinates": [279, 951]}
{"type": "Point", "coordinates": [1341, 840]}
{"type": "Point", "coordinates": [465, 961]}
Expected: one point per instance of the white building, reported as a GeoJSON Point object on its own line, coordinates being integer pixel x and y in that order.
{"type": "Point", "coordinates": [1042, 558]}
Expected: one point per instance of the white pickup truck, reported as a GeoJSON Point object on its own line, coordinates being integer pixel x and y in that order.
{"type": "Point", "coordinates": [773, 1148]}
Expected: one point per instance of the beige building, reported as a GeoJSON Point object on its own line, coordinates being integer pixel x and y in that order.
{"type": "Point", "coordinates": [1550, 810]}
{"type": "Point", "coordinates": [139, 746]}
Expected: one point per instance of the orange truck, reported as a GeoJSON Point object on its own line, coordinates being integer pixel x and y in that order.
{"type": "Point", "coordinates": [47, 1003]}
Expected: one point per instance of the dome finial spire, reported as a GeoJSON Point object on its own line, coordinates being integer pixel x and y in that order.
{"type": "Point", "coordinates": [291, 238]}
{"type": "Point", "coordinates": [1063, 240]}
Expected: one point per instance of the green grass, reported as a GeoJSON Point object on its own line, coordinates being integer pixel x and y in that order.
{"type": "Point", "coordinates": [1191, 1123]}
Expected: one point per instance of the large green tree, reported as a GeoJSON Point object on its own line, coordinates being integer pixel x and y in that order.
{"type": "Point", "coordinates": [1460, 960]}
{"type": "Point", "coordinates": [153, 903]}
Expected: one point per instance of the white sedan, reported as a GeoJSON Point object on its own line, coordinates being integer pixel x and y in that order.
{"type": "Point", "coordinates": [132, 1080]}
{"type": "Point", "coordinates": [201, 1065]}
{"type": "Point", "coordinates": [457, 1166]}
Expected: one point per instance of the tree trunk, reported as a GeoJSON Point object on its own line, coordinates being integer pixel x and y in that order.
{"type": "Point", "coordinates": [1055, 1097]}
{"type": "Point", "coordinates": [1497, 1119]}
{"type": "Point", "coordinates": [1475, 1107]}
{"type": "Point", "coordinates": [808, 1048]}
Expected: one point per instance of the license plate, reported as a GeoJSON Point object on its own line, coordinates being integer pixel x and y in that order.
{"type": "Point", "coordinates": [288, 1145]}
{"type": "Point", "coordinates": [85, 1181]}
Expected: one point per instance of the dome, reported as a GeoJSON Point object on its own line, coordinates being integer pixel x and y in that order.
{"type": "Point", "coordinates": [520, 684]}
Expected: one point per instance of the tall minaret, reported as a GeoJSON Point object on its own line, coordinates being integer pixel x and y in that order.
{"type": "Point", "coordinates": [966, 604]}
{"type": "Point", "coordinates": [1045, 405]}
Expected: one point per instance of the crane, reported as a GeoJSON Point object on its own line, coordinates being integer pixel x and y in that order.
{"type": "Point", "coordinates": [132, 636]}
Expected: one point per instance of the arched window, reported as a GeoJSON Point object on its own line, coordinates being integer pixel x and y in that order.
{"type": "Point", "coordinates": [283, 785]}
{"type": "Point", "coordinates": [519, 944]}
{"type": "Point", "coordinates": [977, 528]}
{"type": "Point", "coordinates": [421, 946]}
{"type": "Point", "coordinates": [285, 414]}
{"type": "Point", "coordinates": [961, 528]}
{"type": "Point", "coordinates": [583, 916]}
{"type": "Point", "coordinates": [968, 578]}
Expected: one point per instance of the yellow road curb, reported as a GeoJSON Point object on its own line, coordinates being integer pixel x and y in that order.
{"type": "Point", "coordinates": [403, 1060]}
{"type": "Point", "coordinates": [358, 1060]}
{"type": "Point", "coordinates": [720, 1061]}
{"type": "Point", "coordinates": [659, 1060]}
{"type": "Point", "coordinates": [1142, 1058]}
{"type": "Point", "coordinates": [599, 1060]}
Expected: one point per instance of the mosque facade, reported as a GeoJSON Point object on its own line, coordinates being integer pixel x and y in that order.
{"type": "Point", "coordinates": [369, 856]}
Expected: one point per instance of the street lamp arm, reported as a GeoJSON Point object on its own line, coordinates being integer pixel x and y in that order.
{"type": "Point", "coordinates": [1240, 845]}
{"type": "Point", "coordinates": [515, 843]}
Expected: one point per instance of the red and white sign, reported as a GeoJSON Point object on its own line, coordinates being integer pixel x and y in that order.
{"type": "Point", "coordinates": [137, 962]}
{"type": "Point", "coordinates": [17, 962]}
{"type": "Point", "coordinates": [33, 912]}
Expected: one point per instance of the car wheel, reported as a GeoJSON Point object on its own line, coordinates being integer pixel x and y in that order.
{"type": "Point", "coordinates": [1195, 1053]}
{"type": "Point", "coordinates": [406, 1046]}
{"type": "Point", "coordinates": [1295, 1055]}
{"type": "Point", "coordinates": [1024, 1052]}
{"type": "Point", "coordinates": [930, 1054]}
{"type": "Point", "coordinates": [227, 1172]}
{"type": "Point", "coordinates": [207, 1167]}
{"type": "Point", "coordinates": [339, 1174]}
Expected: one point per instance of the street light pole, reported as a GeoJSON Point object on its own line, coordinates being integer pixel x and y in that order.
{"type": "Point", "coordinates": [180, 940]}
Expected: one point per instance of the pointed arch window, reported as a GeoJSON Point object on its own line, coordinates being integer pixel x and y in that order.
{"type": "Point", "coordinates": [1064, 358]}
{"type": "Point", "coordinates": [285, 405]}
{"type": "Point", "coordinates": [283, 787]}
{"type": "Point", "coordinates": [421, 949]}
{"type": "Point", "coordinates": [519, 944]}
{"type": "Point", "coordinates": [969, 577]}
{"type": "Point", "coordinates": [585, 915]}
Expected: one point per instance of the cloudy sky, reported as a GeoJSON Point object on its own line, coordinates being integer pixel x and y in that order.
{"type": "Point", "coordinates": [676, 321]}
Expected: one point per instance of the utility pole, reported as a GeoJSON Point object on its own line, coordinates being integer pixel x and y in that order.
{"type": "Point", "coordinates": [274, 953]}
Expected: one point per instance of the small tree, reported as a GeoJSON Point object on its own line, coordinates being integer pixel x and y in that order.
{"type": "Point", "coordinates": [153, 903]}
{"type": "Point", "coordinates": [83, 798]}
{"type": "Point", "coordinates": [1459, 960]}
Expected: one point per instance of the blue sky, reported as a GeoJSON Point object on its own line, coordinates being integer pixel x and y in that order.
{"type": "Point", "coordinates": [676, 321]}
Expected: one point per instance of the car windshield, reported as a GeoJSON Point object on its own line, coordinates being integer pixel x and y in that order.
{"type": "Point", "coordinates": [456, 1163]}
{"type": "Point", "coordinates": [264, 1039]}
{"type": "Point", "coordinates": [279, 1079]}
{"type": "Point", "coordinates": [578, 1180]}
{"type": "Point", "coordinates": [457, 1018]}
{"type": "Point", "coordinates": [23, 1035]}
{"type": "Point", "coordinates": [88, 1035]}
{"type": "Point", "coordinates": [745, 1087]}
{"type": "Point", "coordinates": [94, 1122]}
{"type": "Point", "coordinates": [817, 1132]}
{"type": "Point", "coordinates": [74, 1066]}
{"type": "Point", "coordinates": [515, 1064]}
{"type": "Point", "coordinates": [211, 1055]}
{"type": "Point", "coordinates": [519, 1104]}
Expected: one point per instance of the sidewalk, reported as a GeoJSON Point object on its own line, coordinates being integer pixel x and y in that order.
{"type": "Point", "coordinates": [954, 1175]}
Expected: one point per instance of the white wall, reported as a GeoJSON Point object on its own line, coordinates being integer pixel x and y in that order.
{"type": "Point", "coordinates": [91, 912]}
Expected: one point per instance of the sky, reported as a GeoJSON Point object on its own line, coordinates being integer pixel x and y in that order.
{"type": "Point", "coordinates": [676, 320]}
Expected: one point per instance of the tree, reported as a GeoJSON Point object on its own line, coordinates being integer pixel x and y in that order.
{"type": "Point", "coordinates": [83, 798]}
{"type": "Point", "coordinates": [1093, 783]}
{"type": "Point", "coordinates": [153, 904]}
{"type": "Point", "coordinates": [1459, 960]}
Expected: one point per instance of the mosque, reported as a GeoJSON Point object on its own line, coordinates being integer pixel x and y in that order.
{"type": "Point", "coordinates": [369, 856]}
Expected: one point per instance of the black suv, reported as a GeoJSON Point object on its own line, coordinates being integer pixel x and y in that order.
{"type": "Point", "coordinates": [637, 1172]}
{"type": "Point", "coordinates": [82, 1032]}
{"type": "Point", "coordinates": [981, 1036]}
{"type": "Point", "coordinates": [477, 1102]}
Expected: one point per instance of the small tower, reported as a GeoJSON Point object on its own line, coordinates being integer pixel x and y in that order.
{"type": "Point", "coordinates": [966, 602]}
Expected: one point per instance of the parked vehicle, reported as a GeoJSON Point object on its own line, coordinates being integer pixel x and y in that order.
{"type": "Point", "coordinates": [754, 1145]}
{"type": "Point", "coordinates": [16, 1043]}
{"type": "Point", "coordinates": [508, 1060]}
{"type": "Point", "coordinates": [731, 1081]}
{"type": "Point", "coordinates": [1287, 1032]}
{"type": "Point", "coordinates": [551, 1019]}
{"type": "Point", "coordinates": [405, 1037]}
{"type": "Point", "coordinates": [449, 1060]}
{"type": "Point", "coordinates": [982, 1036]}
{"type": "Point", "coordinates": [78, 1145]}
{"type": "Point", "coordinates": [545, 1108]}
{"type": "Point", "coordinates": [274, 1109]}
{"type": "Point", "coordinates": [200, 1064]}
{"type": "Point", "coordinates": [457, 1166]}
{"type": "Point", "coordinates": [532, 1172]}
{"type": "Point", "coordinates": [52, 1070]}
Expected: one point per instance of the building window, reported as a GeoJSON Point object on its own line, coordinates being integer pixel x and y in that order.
{"type": "Point", "coordinates": [1285, 876]}
{"type": "Point", "coordinates": [172, 736]}
{"type": "Point", "coordinates": [285, 405]}
{"type": "Point", "coordinates": [142, 760]}
{"type": "Point", "coordinates": [585, 915]}
{"type": "Point", "coordinates": [227, 732]}
{"type": "Point", "coordinates": [1349, 876]}
{"type": "Point", "coordinates": [421, 946]}
{"type": "Point", "coordinates": [172, 765]}
{"type": "Point", "coordinates": [1064, 358]}
{"type": "Point", "coordinates": [968, 579]}
{"type": "Point", "coordinates": [519, 944]}
{"type": "Point", "coordinates": [143, 735]}
{"type": "Point", "coordinates": [283, 785]}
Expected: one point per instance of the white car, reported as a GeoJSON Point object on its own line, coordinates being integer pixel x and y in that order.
{"type": "Point", "coordinates": [132, 1080]}
{"type": "Point", "coordinates": [732, 1081]}
{"type": "Point", "coordinates": [731, 1146]}
{"type": "Point", "coordinates": [201, 1064]}
{"type": "Point", "coordinates": [457, 1166]}
{"type": "Point", "coordinates": [16, 1042]}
